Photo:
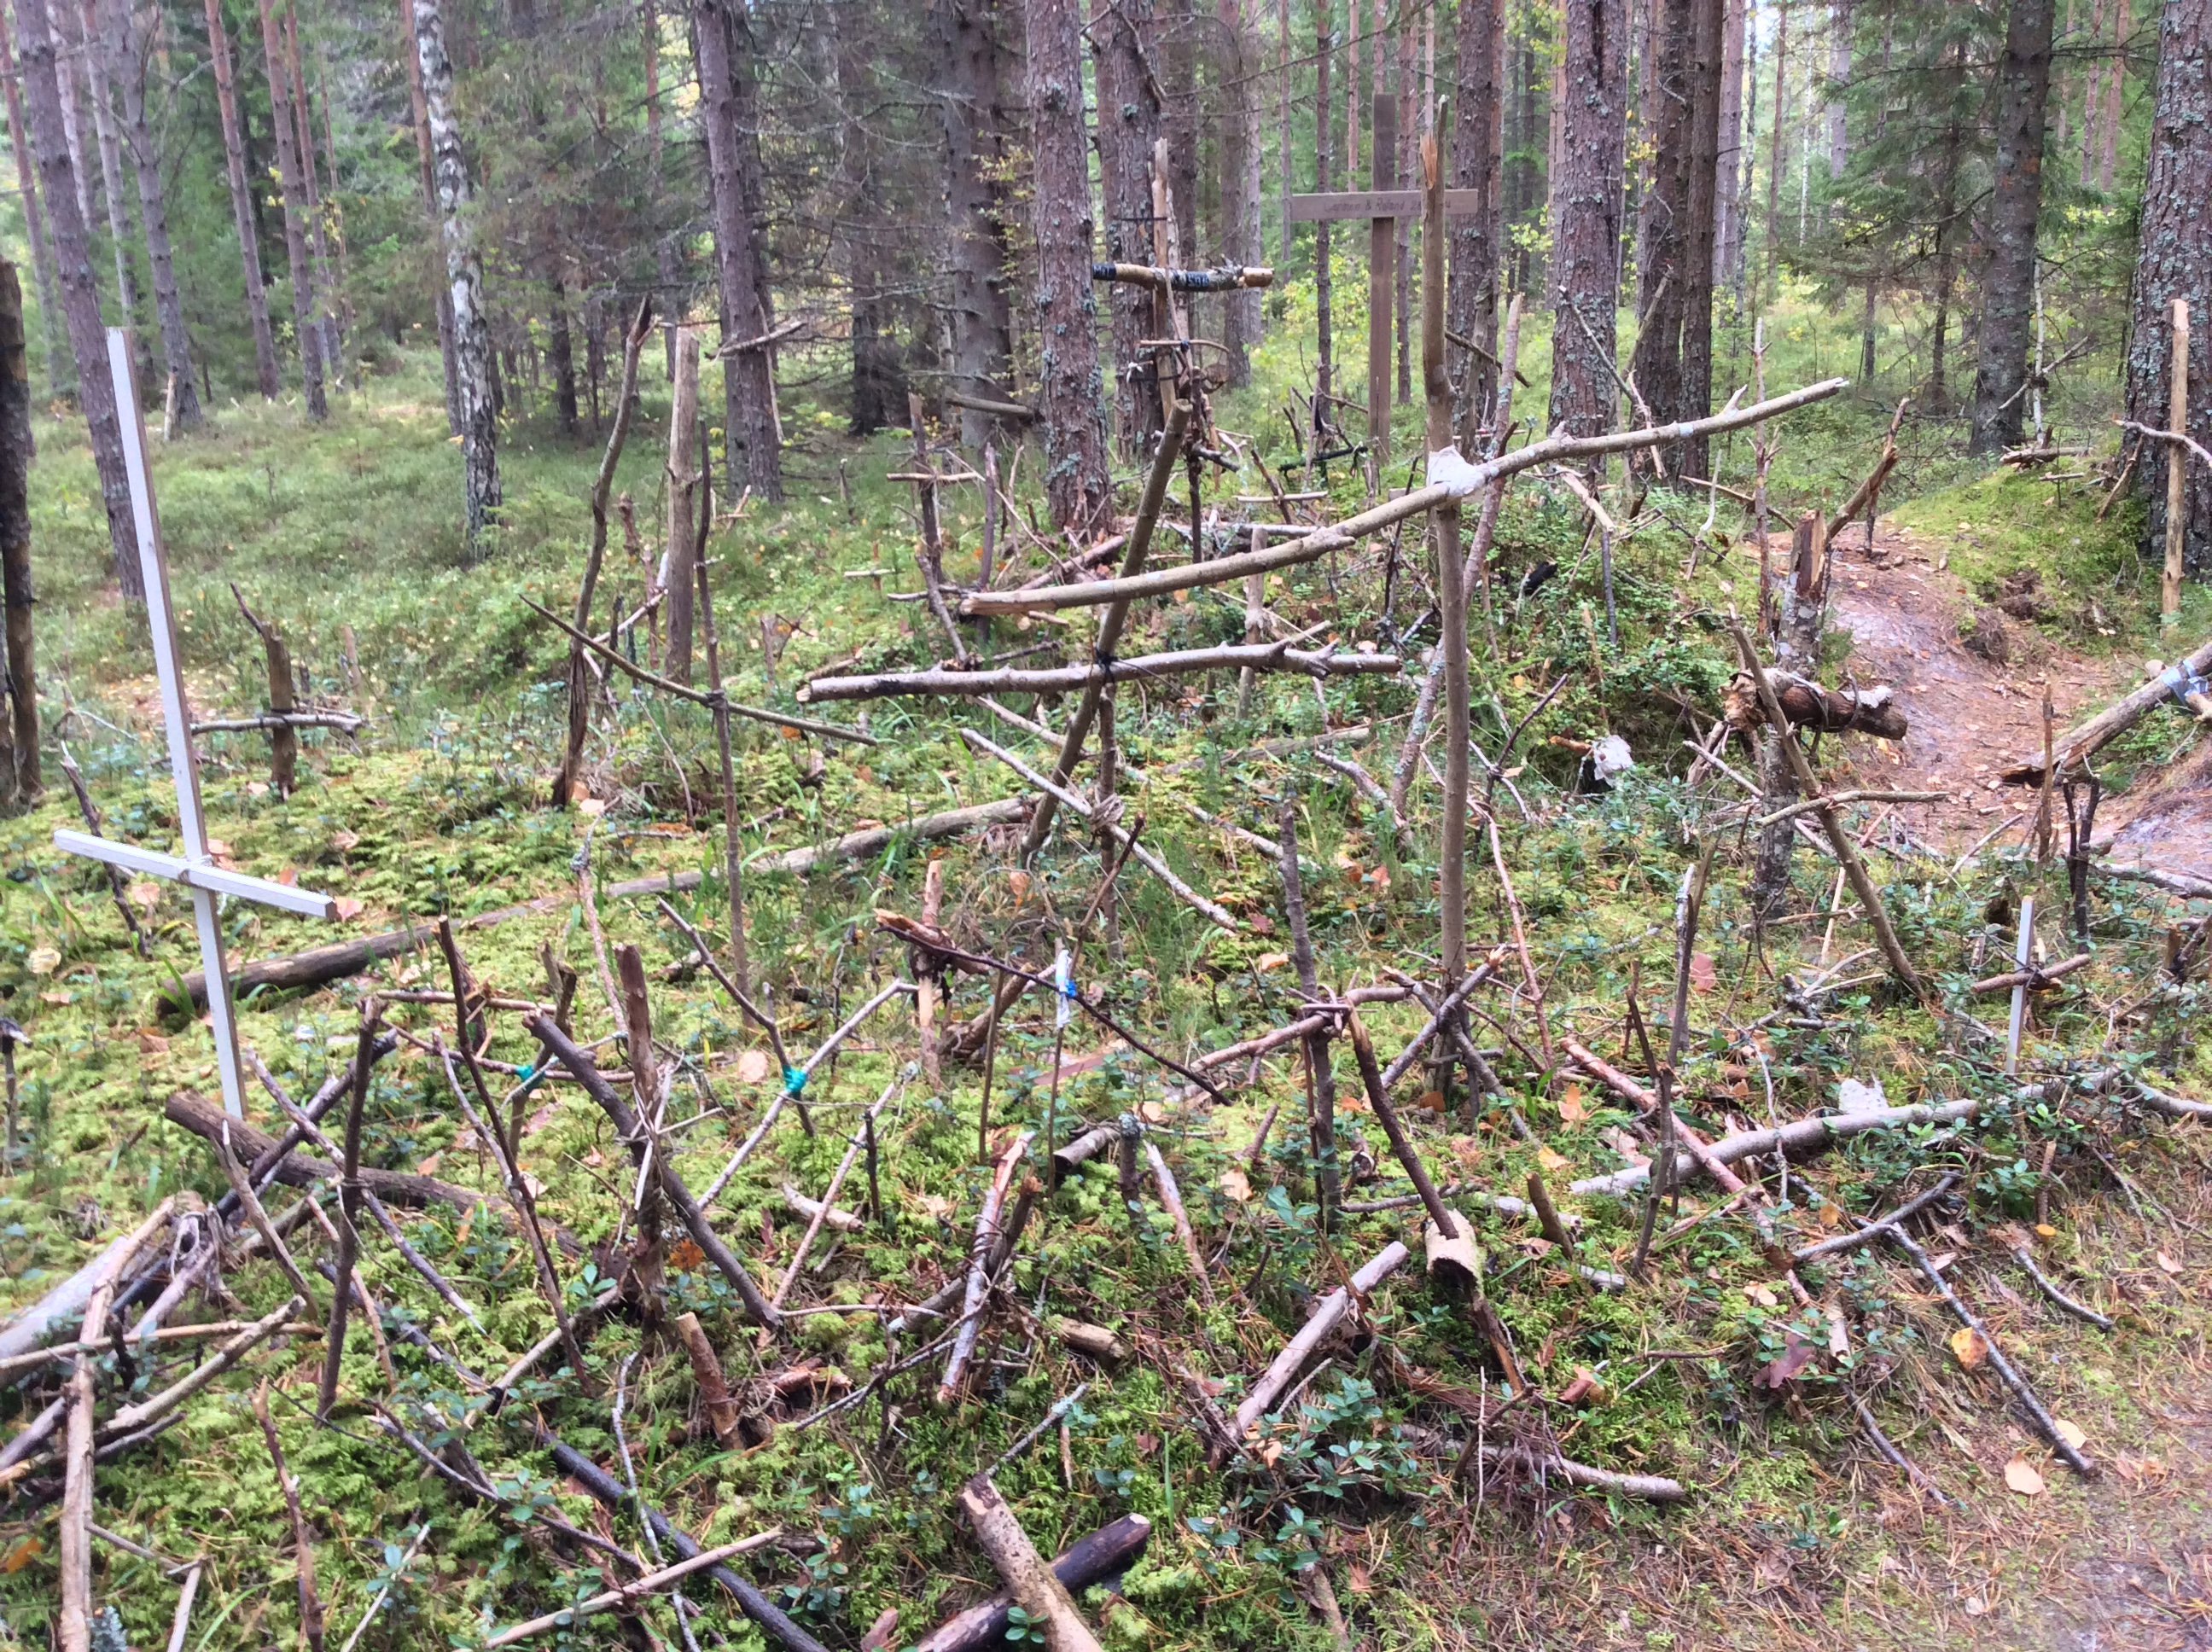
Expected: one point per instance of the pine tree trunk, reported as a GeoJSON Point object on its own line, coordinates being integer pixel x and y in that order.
{"type": "Point", "coordinates": [1728, 218]}
{"type": "Point", "coordinates": [2174, 260]}
{"type": "Point", "coordinates": [307, 335]}
{"type": "Point", "coordinates": [978, 127]}
{"type": "Point", "coordinates": [1695, 399]}
{"type": "Point", "coordinates": [430, 207]}
{"type": "Point", "coordinates": [1586, 210]}
{"type": "Point", "coordinates": [1324, 117]}
{"type": "Point", "coordinates": [241, 205]}
{"type": "Point", "coordinates": [1130, 123]}
{"type": "Point", "coordinates": [472, 346]}
{"type": "Point", "coordinates": [59, 381]}
{"type": "Point", "coordinates": [19, 778]}
{"type": "Point", "coordinates": [1772, 247]}
{"type": "Point", "coordinates": [725, 45]}
{"type": "Point", "coordinates": [1663, 216]}
{"type": "Point", "coordinates": [2016, 203]}
{"type": "Point", "coordinates": [126, 68]}
{"type": "Point", "coordinates": [1477, 163]}
{"type": "Point", "coordinates": [1236, 71]}
{"type": "Point", "coordinates": [1175, 59]}
{"type": "Point", "coordinates": [80, 297]}
{"type": "Point", "coordinates": [560, 347]}
{"type": "Point", "coordinates": [1077, 487]}
{"type": "Point", "coordinates": [85, 27]}
{"type": "Point", "coordinates": [333, 341]}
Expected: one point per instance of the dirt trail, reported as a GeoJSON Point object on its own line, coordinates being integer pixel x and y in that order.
{"type": "Point", "coordinates": [1970, 718]}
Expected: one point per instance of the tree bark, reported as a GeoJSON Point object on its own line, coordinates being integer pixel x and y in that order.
{"type": "Point", "coordinates": [1727, 179]}
{"type": "Point", "coordinates": [1478, 163]}
{"type": "Point", "coordinates": [1840, 81]}
{"type": "Point", "coordinates": [2015, 204]}
{"type": "Point", "coordinates": [683, 536]}
{"type": "Point", "coordinates": [1695, 398]}
{"type": "Point", "coordinates": [80, 296]}
{"type": "Point", "coordinates": [1077, 489]}
{"type": "Point", "coordinates": [1324, 348]}
{"type": "Point", "coordinates": [1236, 73]}
{"type": "Point", "coordinates": [2174, 260]}
{"type": "Point", "coordinates": [561, 350]}
{"type": "Point", "coordinates": [472, 364]}
{"type": "Point", "coordinates": [1663, 215]}
{"type": "Point", "coordinates": [979, 125]}
{"type": "Point", "coordinates": [1129, 116]}
{"type": "Point", "coordinates": [34, 219]}
{"type": "Point", "coordinates": [89, 40]}
{"type": "Point", "coordinates": [19, 783]}
{"type": "Point", "coordinates": [426, 167]}
{"type": "Point", "coordinates": [1586, 206]}
{"type": "Point", "coordinates": [306, 335]}
{"type": "Point", "coordinates": [241, 205]}
{"type": "Point", "coordinates": [725, 49]}
{"type": "Point", "coordinates": [127, 66]}
{"type": "Point", "coordinates": [332, 338]}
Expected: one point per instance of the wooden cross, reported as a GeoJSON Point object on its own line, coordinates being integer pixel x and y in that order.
{"type": "Point", "coordinates": [1381, 206]}
{"type": "Point", "coordinates": [195, 869]}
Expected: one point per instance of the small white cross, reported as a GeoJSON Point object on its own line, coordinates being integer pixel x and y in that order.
{"type": "Point", "coordinates": [195, 869]}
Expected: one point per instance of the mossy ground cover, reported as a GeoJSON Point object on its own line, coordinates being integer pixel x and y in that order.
{"type": "Point", "coordinates": [1792, 1533]}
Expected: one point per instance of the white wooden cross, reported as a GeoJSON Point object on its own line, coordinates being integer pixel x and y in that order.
{"type": "Point", "coordinates": [195, 869]}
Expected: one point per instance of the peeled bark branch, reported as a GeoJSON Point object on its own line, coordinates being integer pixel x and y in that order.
{"type": "Point", "coordinates": [1328, 1313]}
{"type": "Point", "coordinates": [1066, 679]}
{"type": "Point", "coordinates": [2072, 749]}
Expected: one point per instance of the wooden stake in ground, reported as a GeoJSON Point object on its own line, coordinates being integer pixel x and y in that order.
{"type": "Point", "coordinates": [350, 1201]}
{"type": "Point", "coordinates": [1321, 1121]}
{"type": "Point", "coordinates": [579, 678]}
{"type": "Point", "coordinates": [1028, 1577]}
{"type": "Point", "coordinates": [718, 706]}
{"type": "Point", "coordinates": [678, 558]}
{"type": "Point", "coordinates": [2177, 467]}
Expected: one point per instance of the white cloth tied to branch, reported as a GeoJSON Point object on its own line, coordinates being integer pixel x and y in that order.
{"type": "Point", "coordinates": [1447, 470]}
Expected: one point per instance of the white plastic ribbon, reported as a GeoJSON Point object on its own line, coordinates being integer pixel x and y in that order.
{"type": "Point", "coordinates": [1447, 468]}
{"type": "Point", "coordinates": [1063, 1008]}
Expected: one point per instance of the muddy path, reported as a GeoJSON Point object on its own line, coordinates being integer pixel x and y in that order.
{"type": "Point", "coordinates": [1972, 716]}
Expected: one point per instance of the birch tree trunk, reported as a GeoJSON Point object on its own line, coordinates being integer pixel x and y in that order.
{"type": "Point", "coordinates": [126, 68]}
{"type": "Point", "coordinates": [2175, 261]}
{"type": "Point", "coordinates": [59, 381]}
{"type": "Point", "coordinates": [979, 123]}
{"type": "Point", "coordinates": [241, 204]}
{"type": "Point", "coordinates": [1728, 176]}
{"type": "Point", "coordinates": [1478, 163]}
{"type": "Point", "coordinates": [1077, 487]}
{"type": "Point", "coordinates": [430, 207]}
{"type": "Point", "coordinates": [1586, 211]}
{"type": "Point", "coordinates": [80, 298]}
{"type": "Point", "coordinates": [472, 367]}
{"type": "Point", "coordinates": [306, 335]}
{"type": "Point", "coordinates": [733, 172]}
{"type": "Point", "coordinates": [2016, 203]}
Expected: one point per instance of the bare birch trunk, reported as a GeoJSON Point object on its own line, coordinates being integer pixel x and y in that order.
{"type": "Point", "coordinates": [472, 366]}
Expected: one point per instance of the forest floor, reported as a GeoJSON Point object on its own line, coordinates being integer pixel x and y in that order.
{"type": "Point", "coordinates": [1793, 1534]}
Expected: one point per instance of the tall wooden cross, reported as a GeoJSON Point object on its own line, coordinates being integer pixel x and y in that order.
{"type": "Point", "coordinates": [1381, 206]}
{"type": "Point", "coordinates": [195, 869]}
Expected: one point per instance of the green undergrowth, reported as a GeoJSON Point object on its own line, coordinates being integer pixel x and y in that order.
{"type": "Point", "coordinates": [440, 808]}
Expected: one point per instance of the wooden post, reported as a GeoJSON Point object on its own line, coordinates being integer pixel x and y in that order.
{"type": "Point", "coordinates": [1382, 283]}
{"type": "Point", "coordinates": [682, 491]}
{"type": "Point", "coordinates": [2177, 468]}
{"type": "Point", "coordinates": [1452, 599]}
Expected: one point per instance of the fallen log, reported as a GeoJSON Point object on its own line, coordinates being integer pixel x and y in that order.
{"type": "Point", "coordinates": [1067, 679]}
{"type": "Point", "coordinates": [1809, 1136]}
{"type": "Point", "coordinates": [1036, 1587]}
{"type": "Point", "coordinates": [1105, 1553]}
{"type": "Point", "coordinates": [1463, 480]}
{"type": "Point", "coordinates": [297, 1170]}
{"type": "Point", "coordinates": [2072, 749]}
{"type": "Point", "coordinates": [1325, 1318]}
{"type": "Point", "coordinates": [2173, 883]}
{"type": "Point", "coordinates": [1228, 278]}
{"type": "Point", "coordinates": [1808, 705]}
